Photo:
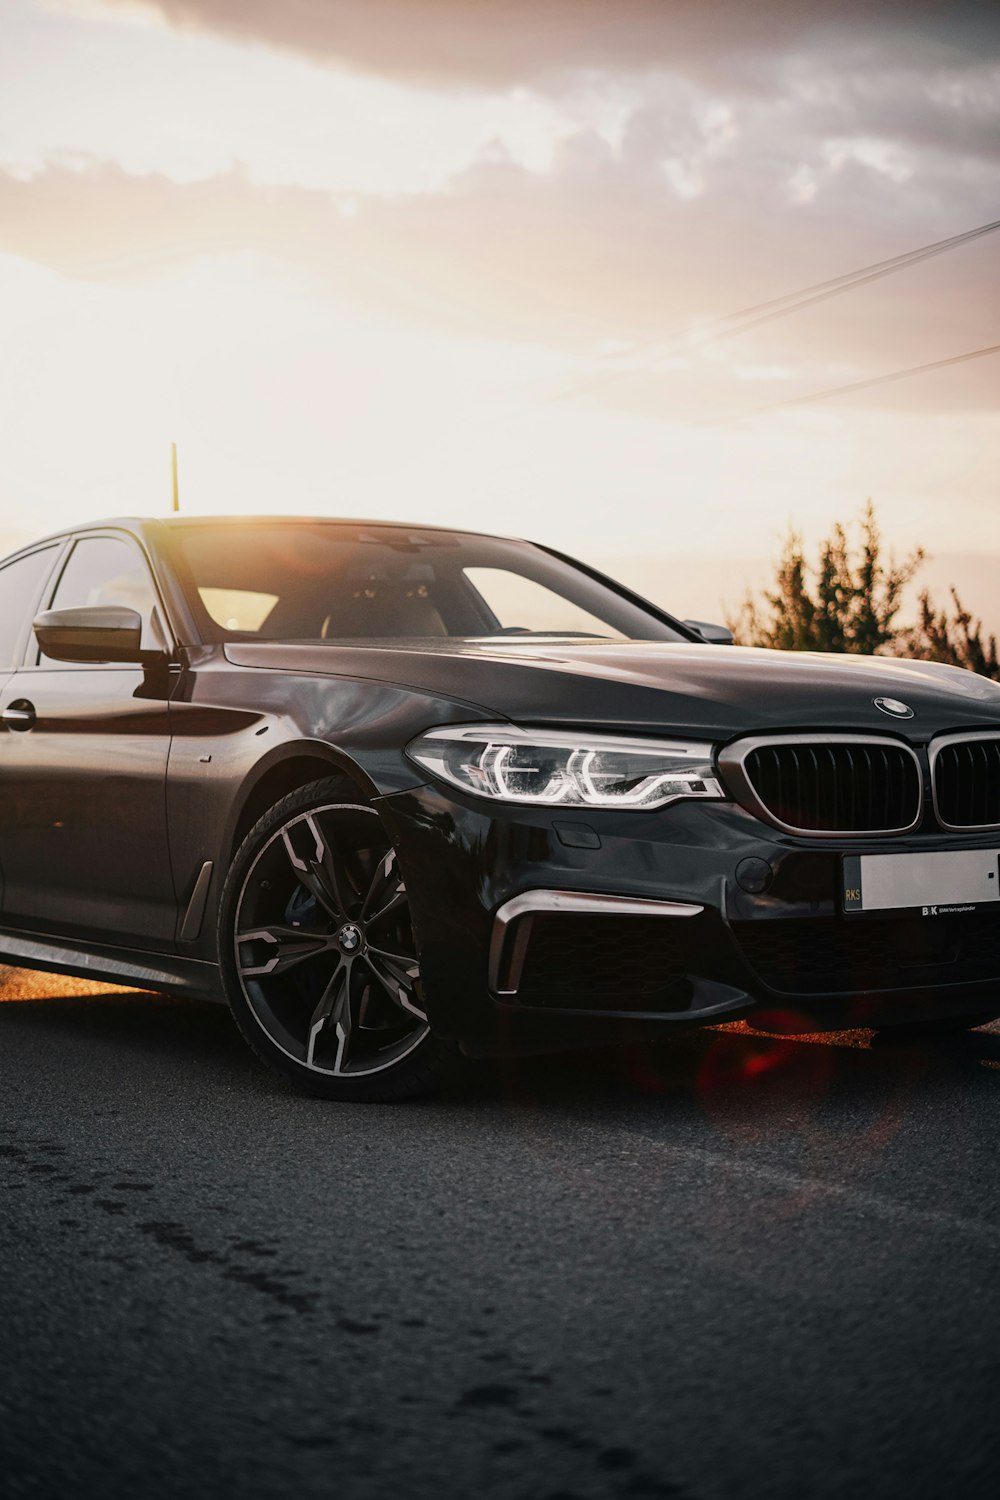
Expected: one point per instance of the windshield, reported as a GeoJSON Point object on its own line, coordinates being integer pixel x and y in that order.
{"type": "Point", "coordinates": [340, 582]}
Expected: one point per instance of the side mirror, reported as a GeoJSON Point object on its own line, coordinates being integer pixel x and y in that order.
{"type": "Point", "coordinates": [715, 635]}
{"type": "Point", "coordinates": [95, 633]}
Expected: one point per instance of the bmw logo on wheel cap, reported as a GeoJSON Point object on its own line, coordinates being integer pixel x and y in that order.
{"type": "Point", "coordinates": [349, 937]}
{"type": "Point", "coordinates": [893, 707]}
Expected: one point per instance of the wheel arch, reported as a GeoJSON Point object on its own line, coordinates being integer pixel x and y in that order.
{"type": "Point", "coordinates": [287, 768]}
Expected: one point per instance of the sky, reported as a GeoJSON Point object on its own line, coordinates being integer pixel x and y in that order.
{"type": "Point", "coordinates": [456, 262]}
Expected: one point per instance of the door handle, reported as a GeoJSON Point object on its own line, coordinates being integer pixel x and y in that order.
{"type": "Point", "coordinates": [19, 715]}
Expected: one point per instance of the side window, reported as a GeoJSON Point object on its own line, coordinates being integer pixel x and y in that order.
{"type": "Point", "coordinates": [20, 585]}
{"type": "Point", "coordinates": [105, 570]}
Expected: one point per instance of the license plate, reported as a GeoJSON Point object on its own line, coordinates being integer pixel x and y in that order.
{"type": "Point", "coordinates": [938, 884]}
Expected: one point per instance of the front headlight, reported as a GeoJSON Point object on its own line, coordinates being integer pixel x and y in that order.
{"type": "Point", "coordinates": [553, 768]}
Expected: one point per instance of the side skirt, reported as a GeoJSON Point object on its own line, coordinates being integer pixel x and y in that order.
{"type": "Point", "coordinates": [146, 971]}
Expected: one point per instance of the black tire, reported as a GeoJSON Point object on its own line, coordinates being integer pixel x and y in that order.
{"type": "Point", "coordinates": [318, 955]}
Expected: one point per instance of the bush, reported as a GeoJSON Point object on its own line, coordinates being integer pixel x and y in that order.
{"type": "Point", "coordinates": [850, 600]}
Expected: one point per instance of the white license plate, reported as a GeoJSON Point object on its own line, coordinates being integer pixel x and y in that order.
{"type": "Point", "coordinates": [938, 884]}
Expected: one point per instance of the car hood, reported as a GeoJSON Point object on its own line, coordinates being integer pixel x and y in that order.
{"type": "Point", "coordinates": [718, 691]}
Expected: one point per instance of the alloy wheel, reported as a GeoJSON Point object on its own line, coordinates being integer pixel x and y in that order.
{"type": "Point", "coordinates": [324, 945]}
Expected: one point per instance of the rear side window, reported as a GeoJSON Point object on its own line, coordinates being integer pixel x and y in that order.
{"type": "Point", "coordinates": [20, 586]}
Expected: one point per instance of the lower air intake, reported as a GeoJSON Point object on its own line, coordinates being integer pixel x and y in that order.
{"type": "Point", "coordinates": [611, 964]}
{"type": "Point", "coordinates": [840, 955]}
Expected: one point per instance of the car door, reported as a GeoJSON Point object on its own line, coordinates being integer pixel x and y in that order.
{"type": "Point", "coordinates": [83, 757]}
{"type": "Point", "coordinates": [21, 583]}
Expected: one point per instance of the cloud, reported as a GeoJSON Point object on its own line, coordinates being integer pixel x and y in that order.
{"type": "Point", "coordinates": [602, 247]}
{"type": "Point", "coordinates": [711, 196]}
{"type": "Point", "coordinates": [497, 43]}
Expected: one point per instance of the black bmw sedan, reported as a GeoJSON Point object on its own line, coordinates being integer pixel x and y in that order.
{"type": "Point", "coordinates": [397, 793]}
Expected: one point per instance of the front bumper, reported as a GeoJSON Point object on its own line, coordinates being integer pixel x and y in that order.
{"type": "Point", "coordinates": [544, 928]}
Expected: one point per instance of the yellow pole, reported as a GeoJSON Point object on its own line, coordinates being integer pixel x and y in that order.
{"type": "Point", "coordinates": [173, 475]}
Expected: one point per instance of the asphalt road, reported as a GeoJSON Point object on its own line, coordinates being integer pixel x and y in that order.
{"type": "Point", "coordinates": [756, 1268]}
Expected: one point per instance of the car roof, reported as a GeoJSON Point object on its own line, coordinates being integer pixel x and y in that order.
{"type": "Point", "coordinates": [142, 524]}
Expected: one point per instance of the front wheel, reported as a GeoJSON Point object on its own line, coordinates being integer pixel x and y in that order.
{"type": "Point", "coordinates": [318, 953]}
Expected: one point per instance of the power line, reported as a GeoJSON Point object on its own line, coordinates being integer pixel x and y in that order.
{"type": "Point", "coordinates": [779, 307]}
{"type": "Point", "coordinates": [859, 278]}
{"type": "Point", "coordinates": [864, 273]}
{"type": "Point", "coordinates": [864, 385]}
